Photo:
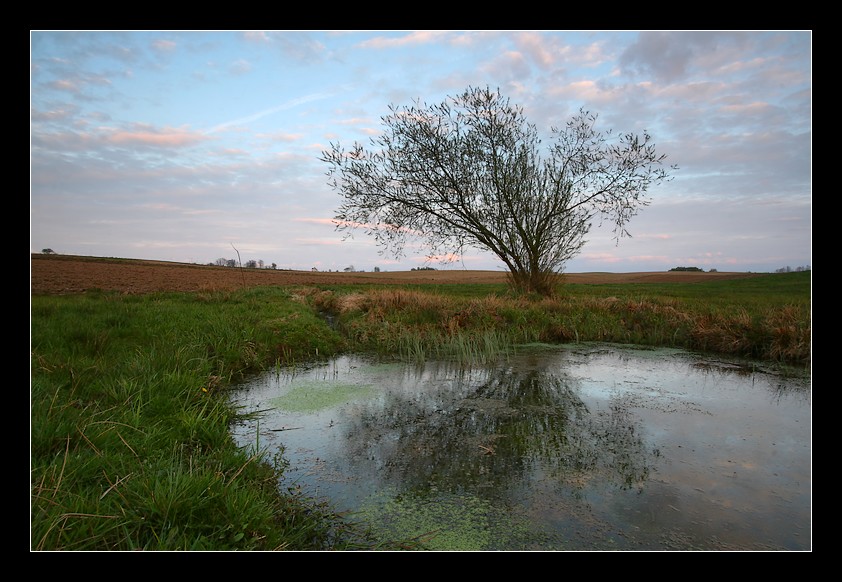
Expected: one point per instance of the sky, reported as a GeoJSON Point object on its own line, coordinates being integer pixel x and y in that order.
{"type": "Point", "coordinates": [191, 146]}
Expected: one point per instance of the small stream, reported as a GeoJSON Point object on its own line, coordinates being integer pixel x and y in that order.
{"type": "Point", "coordinates": [567, 448]}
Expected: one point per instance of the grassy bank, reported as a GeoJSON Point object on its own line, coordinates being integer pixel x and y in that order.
{"type": "Point", "coordinates": [764, 318]}
{"type": "Point", "coordinates": [130, 445]}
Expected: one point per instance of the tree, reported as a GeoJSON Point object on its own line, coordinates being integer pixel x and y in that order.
{"type": "Point", "coordinates": [472, 172]}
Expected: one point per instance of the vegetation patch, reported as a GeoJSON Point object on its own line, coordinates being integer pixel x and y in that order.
{"type": "Point", "coordinates": [314, 396]}
{"type": "Point", "coordinates": [766, 318]}
{"type": "Point", "coordinates": [447, 522]}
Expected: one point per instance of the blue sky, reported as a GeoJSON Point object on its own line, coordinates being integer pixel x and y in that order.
{"type": "Point", "coordinates": [186, 145]}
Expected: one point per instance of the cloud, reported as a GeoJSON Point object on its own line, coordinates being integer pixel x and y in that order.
{"type": "Point", "coordinates": [540, 52]}
{"type": "Point", "coordinates": [666, 55]}
{"type": "Point", "coordinates": [166, 137]}
{"type": "Point", "coordinates": [672, 55]}
{"type": "Point", "coordinates": [239, 67]}
{"type": "Point", "coordinates": [413, 38]}
{"type": "Point", "coordinates": [259, 36]}
{"type": "Point", "coordinates": [300, 46]}
{"type": "Point", "coordinates": [601, 257]}
{"type": "Point", "coordinates": [164, 46]}
{"type": "Point", "coordinates": [58, 114]}
{"type": "Point", "coordinates": [65, 85]}
{"type": "Point", "coordinates": [328, 221]}
{"type": "Point", "coordinates": [319, 241]}
{"type": "Point", "coordinates": [511, 65]}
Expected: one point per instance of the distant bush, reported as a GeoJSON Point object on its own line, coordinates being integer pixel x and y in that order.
{"type": "Point", "coordinates": [687, 269]}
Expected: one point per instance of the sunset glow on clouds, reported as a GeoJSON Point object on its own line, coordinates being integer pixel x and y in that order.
{"type": "Point", "coordinates": [179, 145]}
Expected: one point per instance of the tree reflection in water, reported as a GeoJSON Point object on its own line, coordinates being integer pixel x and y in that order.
{"type": "Point", "coordinates": [496, 434]}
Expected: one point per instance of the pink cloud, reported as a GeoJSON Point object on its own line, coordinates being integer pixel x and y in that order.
{"type": "Point", "coordinates": [334, 222]}
{"type": "Point", "coordinates": [167, 137]}
{"type": "Point", "coordinates": [319, 242]}
{"type": "Point", "coordinates": [65, 85]}
{"type": "Point", "coordinates": [163, 45]}
{"type": "Point", "coordinates": [601, 257]}
{"type": "Point", "coordinates": [417, 37]}
{"type": "Point", "coordinates": [256, 36]}
{"type": "Point", "coordinates": [329, 221]}
{"type": "Point", "coordinates": [535, 45]}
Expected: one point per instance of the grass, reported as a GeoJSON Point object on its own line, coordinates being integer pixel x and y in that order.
{"type": "Point", "coordinates": [130, 446]}
{"type": "Point", "coordinates": [767, 318]}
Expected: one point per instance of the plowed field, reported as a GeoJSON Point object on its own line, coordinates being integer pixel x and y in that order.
{"type": "Point", "coordinates": [63, 274]}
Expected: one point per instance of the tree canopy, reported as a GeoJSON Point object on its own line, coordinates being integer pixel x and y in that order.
{"type": "Point", "coordinates": [472, 172]}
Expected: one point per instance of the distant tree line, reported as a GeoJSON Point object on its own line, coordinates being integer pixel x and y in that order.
{"type": "Point", "coordinates": [251, 264]}
{"type": "Point", "coordinates": [697, 269]}
{"type": "Point", "coordinates": [259, 264]}
{"type": "Point", "coordinates": [790, 269]}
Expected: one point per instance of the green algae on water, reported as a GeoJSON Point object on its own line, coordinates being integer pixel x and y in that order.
{"type": "Point", "coordinates": [315, 396]}
{"type": "Point", "coordinates": [449, 522]}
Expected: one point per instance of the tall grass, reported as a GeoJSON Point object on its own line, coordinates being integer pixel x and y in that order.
{"type": "Point", "coordinates": [768, 318]}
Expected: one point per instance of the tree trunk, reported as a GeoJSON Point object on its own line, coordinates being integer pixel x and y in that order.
{"type": "Point", "coordinates": [540, 282]}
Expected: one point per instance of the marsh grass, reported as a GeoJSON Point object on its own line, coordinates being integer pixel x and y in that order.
{"type": "Point", "coordinates": [130, 446]}
{"type": "Point", "coordinates": [768, 318]}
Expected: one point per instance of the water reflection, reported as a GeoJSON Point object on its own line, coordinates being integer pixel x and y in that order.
{"type": "Point", "coordinates": [591, 447]}
{"type": "Point", "coordinates": [491, 434]}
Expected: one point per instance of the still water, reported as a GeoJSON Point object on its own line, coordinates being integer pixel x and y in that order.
{"type": "Point", "coordinates": [583, 447]}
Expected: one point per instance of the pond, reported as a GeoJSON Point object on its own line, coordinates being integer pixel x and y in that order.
{"type": "Point", "coordinates": [565, 448]}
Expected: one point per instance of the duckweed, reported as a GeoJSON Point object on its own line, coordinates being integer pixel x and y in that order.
{"type": "Point", "coordinates": [314, 396]}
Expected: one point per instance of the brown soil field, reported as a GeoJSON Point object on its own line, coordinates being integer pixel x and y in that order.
{"type": "Point", "coordinates": [67, 274]}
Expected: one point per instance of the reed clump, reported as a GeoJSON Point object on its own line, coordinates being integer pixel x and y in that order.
{"type": "Point", "coordinates": [782, 334]}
